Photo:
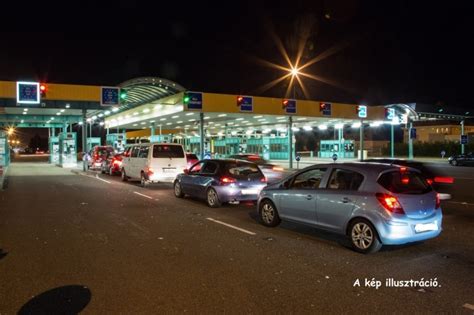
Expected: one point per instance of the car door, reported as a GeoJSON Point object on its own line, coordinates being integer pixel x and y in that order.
{"type": "Point", "coordinates": [187, 180]}
{"type": "Point", "coordinates": [298, 202]}
{"type": "Point", "coordinates": [338, 198]}
{"type": "Point", "coordinates": [142, 161]}
{"type": "Point", "coordinates": [205, 177]}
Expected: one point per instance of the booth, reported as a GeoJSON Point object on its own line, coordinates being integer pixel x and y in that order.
{"type": "Point", "coordinates": [226, 147]}
{"type": "Point", "coordinates": [275, 148]}
{"type": "Point", "coordinates": [53, 143]}
{"type": "Point", "coordinates": [4, 150]}
{"type": "Point", "coordinates": [92, 142]}
{"type": "Point", "coordinates": [67, 149]}
{"type": "Point", "coordinates": [254, 145]}
{"type": "Point", "coordinates": [343, 148]}
{"type": "Point", "coordinates": [116, 140]}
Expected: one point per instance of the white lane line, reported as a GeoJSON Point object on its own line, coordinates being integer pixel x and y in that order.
{"type": "Point", "coordinates": [231, 226]}
{"type": "Point", "coordinates": [97, 177]}
{"type": "Point", "coordinates": [462, 203]}
{"type": "Point", "coordinates": [136, 192]}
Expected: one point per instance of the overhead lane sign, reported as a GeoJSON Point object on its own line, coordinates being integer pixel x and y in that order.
{"type": "Point", "coordinates": [245, 103]}
{"type": "Point", "coordinates": [289, 106]}
{"type": "Point", "coordinates": [192, 100]}
{"type": "Point", "coordinates": [27, 92]}
{"type": "Point", "coordinates": [110, 96]}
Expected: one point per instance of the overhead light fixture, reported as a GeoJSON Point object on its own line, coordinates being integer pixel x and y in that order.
{"type": "Point", "coordinates": [339, 126]}
{"type": "Point", "coordinates": [107, 112]}
{"type": "Point", "coordinates": [62, 110]}
{"type": "Point", "coordinates": [115, 109]}
{"type": "Point", "coordinates": [281, 117]}
{"type": "Point", "coordinates": [162, 119]}
{"type": "Point", "coordinates": [94, 117]}
{"type": "Point", "coordinates": [259, 116]}
{"type": "Point", "coordinates": [57, 114]}
{"type": "Point", "coordinates": [322, 127]}
{"type": "Point", "coordinates": [101, 123]}
{"type": "Point", "coordinates": [100, 115]}
{"type": "Point", "coordinates": [295, 129]}
{"type": "Point", "coordinates": [239, 118]}
{"type": "Point", "coordinates": [146, 110]}
{"type": "Point", "coordinates": [221, 115]}
{"type": "Point", "coordinates": [174, 117]}
{"type": "Point", "coordinates": [356, 125]}
{"type": "Point", "coordinates": [189, 114]}
{"type": "Point", "coordinates": [307, 128]}
{"type": "Point", "coordinates": [68, 106]}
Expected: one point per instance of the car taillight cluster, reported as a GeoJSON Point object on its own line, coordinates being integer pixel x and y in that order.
{"type": "Point", "coordinates": [444, 180]}
{"type": "Point", "coordinates": [438, 201]}
{"type": "Point", "coordinates": [390, 203]}
{"type": "Point", "coordinates": [149, 171]}
{"type": "Point", "coordinates": [227, 180]}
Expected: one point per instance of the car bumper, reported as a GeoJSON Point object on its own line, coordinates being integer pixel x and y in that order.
{"type": "Point", "coordinates": [397, 232]}
{"type": "Point", "coordinates": [229, 193]}
{"type": "Point", "coordinates": [162, 178]}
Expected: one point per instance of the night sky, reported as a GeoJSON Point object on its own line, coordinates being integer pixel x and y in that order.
{"type": "Point", "coordinates": [384, 52]}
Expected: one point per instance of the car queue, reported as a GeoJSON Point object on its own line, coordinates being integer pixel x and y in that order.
{"type": "Point", "coordinates": [372, 204]}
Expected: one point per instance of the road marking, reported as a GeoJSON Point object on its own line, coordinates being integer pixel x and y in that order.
{"type": "Point", "coordinates": [135, 192]}
{"type": "Point", "coordinates": [231, 226]}
{"type": "Point", "coordinates": [462, 203]}
{"type": "Point", "coordinates": [97, 177]}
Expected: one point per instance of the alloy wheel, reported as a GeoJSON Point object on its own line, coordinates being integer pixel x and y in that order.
{"type": "Point", "coordinates": [268, 213]}
{"type": "Point", "coordinates": [362, 235]}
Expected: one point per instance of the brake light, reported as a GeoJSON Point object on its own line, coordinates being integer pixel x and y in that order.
{"type": "Point", "coordinates": [227, 180]}
{"type": "Point", "coordinates": [405, 180]}
{"type": "Point", "coordinates": [444, 180]}
{"type": "Point", "coordinates": [390, 203]}
{"type": "Point", "coordinates": [403, 169]}
{"type": "Point", "coordinates": [149, 171]}
{"type": "Point", "coordinates": [438, 201]}
{"type": "Point", "coordinates": [278, 168]}
{"type": "Point", "coordinates": [429, 181]}
{"type": "Point", "coordinates": [118, 163]}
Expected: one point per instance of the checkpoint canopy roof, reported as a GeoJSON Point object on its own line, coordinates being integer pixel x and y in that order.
{"type": "Point", "coordinates": [222, 113]}
{"type": "Point", "coordinates": [61, 104]}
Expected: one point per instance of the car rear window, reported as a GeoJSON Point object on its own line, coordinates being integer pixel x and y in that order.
{"type": "Point", "coordinates": [404, 183]}
{"type": "Point", "coordinates": [167, 151]}
{"type": "Point", "coordinates": [242, 170]}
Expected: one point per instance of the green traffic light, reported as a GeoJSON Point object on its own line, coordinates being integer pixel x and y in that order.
{"type": "Point", "coordinates": [123, 95]}
{"type": "Point", "coordinates": [186, 99]}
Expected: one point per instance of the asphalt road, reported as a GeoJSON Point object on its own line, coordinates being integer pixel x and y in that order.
{"type": "Point", "coordinates": [73, 242]}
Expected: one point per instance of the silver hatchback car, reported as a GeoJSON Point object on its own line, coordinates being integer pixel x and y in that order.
{"type": "Point", "coordinates": [373, 204]}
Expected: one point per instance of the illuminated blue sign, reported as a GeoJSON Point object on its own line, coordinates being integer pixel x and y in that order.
{"type": "Point", "coordinates": [109, 96]}
{"type": "Point", "coordinates": [27, 93]}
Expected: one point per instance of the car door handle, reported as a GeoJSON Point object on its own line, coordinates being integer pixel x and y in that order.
{"type": "Point", "coordinates": [345, 200]}
{"type": "Point", "coordinates": [309, 197]}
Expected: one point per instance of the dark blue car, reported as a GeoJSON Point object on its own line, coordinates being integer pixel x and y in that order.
{"type": "Point", "coordinates": [220, 181]}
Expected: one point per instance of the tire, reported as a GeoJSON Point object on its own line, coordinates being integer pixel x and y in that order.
{"type": "Point", "coordinates": [212, 198]}
{"type": "Point", "coordinates": [143, 180]}
{"type": "Point", "coordinates": [454, 163]}
{"type": "Point", "coordinates": [124, 175]}
{"type": "Point", "coordinates": [268, 214]}
{"type": "Point", "coordinates": [363, 237]}
{"type": "Point", "coordinates": [178, 191]}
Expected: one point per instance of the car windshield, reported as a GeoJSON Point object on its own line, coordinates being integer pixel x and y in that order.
{"type": "Point", "coordinates": [411, 183]}
{"type": "Point", "coordinates": [251, 158]}
{"type": "Point", "coordinates": [241, 170]}
{"type": "Point", "coordinates": [167, 151]}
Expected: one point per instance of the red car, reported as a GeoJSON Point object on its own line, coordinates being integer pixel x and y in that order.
{"type": "Point", "coordinates": [98, 155]}
{"type": "Point", "coordinates": [112, 165]}
{"type": "Point", "coordinates": [191, 159]}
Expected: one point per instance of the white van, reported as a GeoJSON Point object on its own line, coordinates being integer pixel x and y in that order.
{"type": "Point", "coordinates": [153, 162]}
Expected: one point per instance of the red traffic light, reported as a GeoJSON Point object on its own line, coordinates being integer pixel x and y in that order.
{"type": "Point", "coordinates": [42, 87]}
{"type": "Point", "coordinates": [285, 102]}
{"type": "Point", "coordinates": [239, 100]}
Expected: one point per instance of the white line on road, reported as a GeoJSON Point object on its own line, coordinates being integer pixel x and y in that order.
{"type": "Point", "coordinates": [462, 203]}
{"type": "Point", "coordinates": [136, 192]}
{"type": "Point", "coordinates": [97, 177]}
{"type": "Point", "coordinates": [231, 226]}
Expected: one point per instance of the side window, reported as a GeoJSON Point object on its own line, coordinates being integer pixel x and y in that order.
{"type": "Point", "coordinates": [345, 180]}
{"type": "Point", "coordinates": [209, 168]}
{"type": "Point", "coordinates": [135, 151]}
{"type": "Point", "coordinates": [196, 168]}
{"type": "Point", "coordinates": [309, 179]}
{"type": "Point", "coordinates": [144, 152]}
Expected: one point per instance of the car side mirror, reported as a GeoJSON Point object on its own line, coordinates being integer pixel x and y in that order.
{"type": "Point", "coordinates": [186, 171]}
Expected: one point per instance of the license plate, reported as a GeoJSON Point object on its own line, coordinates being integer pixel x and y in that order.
{"type": "Point", "coordinates": [249, 191]}
{"type": "Point", "coordinates": [169, 170]}
{"type": "Point", "coordinates": [423, 227]}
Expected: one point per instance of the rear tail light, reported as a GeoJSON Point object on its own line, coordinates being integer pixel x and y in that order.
{"type": "Point", "coordinates": [444, 180]}
{"type": "Point", "coordinates": [227, 180]}
{"type": "Point", "coordinates": [429, 181]}
{"type": "Point", "coordinates": [278, 168]}
{"type": "Point", "coordinates": [118, 163]}
{"type": "Point", "coordinates": [438, 202]}
{"type": "Point", "coordinates": [263, 179]}
{"type": "Point", "coordinates": [149, 171]}
{"type": "Point", "coordinates": [390, 203]}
